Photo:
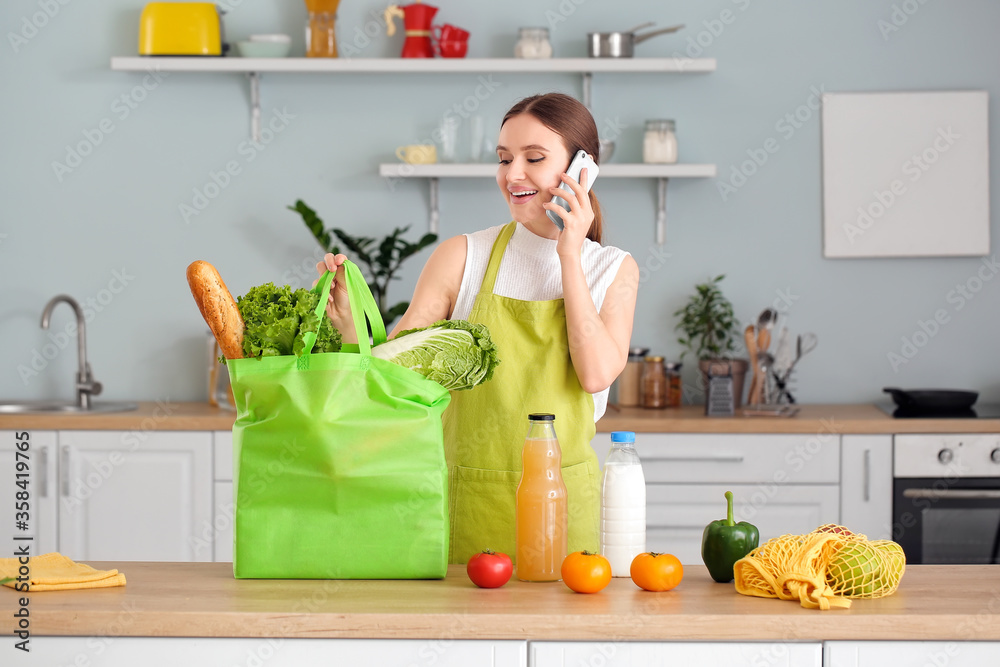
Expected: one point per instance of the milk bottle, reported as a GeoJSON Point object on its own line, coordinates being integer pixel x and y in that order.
{"type": "Point", "coordinates": [623, 505]}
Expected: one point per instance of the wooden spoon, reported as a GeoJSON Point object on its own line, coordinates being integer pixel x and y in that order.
{"type": "Point", "coordinates": [749, 335]}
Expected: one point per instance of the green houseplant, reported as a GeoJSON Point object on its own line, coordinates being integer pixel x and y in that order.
{"type": "Point", "coordinates": [709, 331]}
{"type": "Point", "coordinates": [380, 259]}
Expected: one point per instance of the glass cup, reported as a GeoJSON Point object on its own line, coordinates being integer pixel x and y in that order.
{"type": "Point", "coordinates": [448, 138]}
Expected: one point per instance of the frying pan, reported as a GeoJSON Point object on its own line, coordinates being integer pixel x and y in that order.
{"type": "Point", "coordinates": [932, 400]}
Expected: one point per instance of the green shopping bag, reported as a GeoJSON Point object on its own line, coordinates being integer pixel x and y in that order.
{"type": "Point", "coordinates": [339, 469]}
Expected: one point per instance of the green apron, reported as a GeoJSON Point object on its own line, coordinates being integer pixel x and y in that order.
{"type": "Point", "coordinates": [484, 428]}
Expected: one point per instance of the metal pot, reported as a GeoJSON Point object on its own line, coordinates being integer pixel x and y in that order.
{"type": "Point", "coordinates": [621, 44]}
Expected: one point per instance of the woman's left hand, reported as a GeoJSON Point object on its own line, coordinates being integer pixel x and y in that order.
{"type": "Point", "coordinates": [576, 221]}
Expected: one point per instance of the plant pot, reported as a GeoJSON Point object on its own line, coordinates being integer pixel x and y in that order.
{"type": "Point", "coordinates": [738, 367]}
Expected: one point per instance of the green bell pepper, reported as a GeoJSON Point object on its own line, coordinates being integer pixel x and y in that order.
{"type": "Point", "coordinates": [724, 542]}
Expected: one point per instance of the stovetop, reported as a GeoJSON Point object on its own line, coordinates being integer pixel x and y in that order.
{"type": "Point", "coordinates": [978, 411]}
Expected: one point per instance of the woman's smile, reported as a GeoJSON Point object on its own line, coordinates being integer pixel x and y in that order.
{"type": "Point", "coordinates": [532, 160]}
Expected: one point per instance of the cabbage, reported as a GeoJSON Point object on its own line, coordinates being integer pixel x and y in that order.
{"type": "Point", "coordinates": [277, 317]}
{"type": "Point", "coordinates": [454, 353]}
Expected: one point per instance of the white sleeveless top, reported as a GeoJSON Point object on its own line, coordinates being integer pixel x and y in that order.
{"type": "Point", "coordinates": [530, 271]}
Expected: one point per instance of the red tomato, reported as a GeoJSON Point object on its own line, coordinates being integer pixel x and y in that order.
{"type": "Point", "coordinates": [656, 572]}
{"type": "Point", "coordinates": [585, 572]}
{"type": "Point", "coordinates": [489, 569]}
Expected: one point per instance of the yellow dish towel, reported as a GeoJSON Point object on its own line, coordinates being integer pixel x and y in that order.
{"type": "Point", "coordinates": [55, 572]}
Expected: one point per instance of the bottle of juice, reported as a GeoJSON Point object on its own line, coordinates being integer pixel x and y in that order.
{"type": "Point", "coordinates": [542, 513]}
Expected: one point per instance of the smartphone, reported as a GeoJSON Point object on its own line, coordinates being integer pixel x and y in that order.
{"type": "Point", "coordinates": [579, 162]}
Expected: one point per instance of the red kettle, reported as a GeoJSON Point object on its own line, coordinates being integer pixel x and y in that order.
{"type": "Point", "coordinates": [417, 23]}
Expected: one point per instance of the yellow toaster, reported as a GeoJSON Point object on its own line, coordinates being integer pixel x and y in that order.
{"type": "Point", "coordinates": [180, 29]}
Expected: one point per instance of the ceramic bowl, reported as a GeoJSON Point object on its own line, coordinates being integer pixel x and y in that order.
{"type": "Point", "coordinates": [265, 46]}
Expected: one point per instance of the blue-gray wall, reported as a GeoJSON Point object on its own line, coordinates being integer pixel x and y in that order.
{"type": "Point", "coordinates": [111, 230]}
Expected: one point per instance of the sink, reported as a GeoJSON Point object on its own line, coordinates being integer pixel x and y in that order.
{"type": "Point", "coordinates": [62, 407]}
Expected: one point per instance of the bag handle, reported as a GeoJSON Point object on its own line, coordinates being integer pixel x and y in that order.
{"type": "Point", "coordinates": [363, 308]}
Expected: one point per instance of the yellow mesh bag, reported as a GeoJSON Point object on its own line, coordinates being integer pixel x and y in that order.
{"type": "Point", "coordinates": [821, 569]}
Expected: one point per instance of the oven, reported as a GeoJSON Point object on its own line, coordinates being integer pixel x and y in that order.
{"type": "Point", "coordinates": [946, 498]}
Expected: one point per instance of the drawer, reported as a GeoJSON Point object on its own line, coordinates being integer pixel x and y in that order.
{"type": "Point", "coordinates": [676, 514]}
{"type": "Point", "coordinates": [733, 459]}
{"type": "Point", "coordinates": [223, 453]}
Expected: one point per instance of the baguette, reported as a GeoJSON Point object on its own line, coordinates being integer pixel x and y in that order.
{"type": "Point", "coordinates": [218, 307]}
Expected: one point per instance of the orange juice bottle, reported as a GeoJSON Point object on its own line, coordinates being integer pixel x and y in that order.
{"type": "Point", "coordinates": [542, 513]}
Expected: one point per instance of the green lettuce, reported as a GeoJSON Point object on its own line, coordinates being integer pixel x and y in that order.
{"type": "Point", "coordinates": [276, 319]}
{"type": "Point", "coordinates": [454, 353]}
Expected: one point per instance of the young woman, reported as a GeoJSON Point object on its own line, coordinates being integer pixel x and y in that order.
{"type": "Point", "coordinates": [559, 306]}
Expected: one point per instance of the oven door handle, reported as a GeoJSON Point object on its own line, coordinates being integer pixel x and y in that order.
{"type": "Point", "coordinates": [945, 494]}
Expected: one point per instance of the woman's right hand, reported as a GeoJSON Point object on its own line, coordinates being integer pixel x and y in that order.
{"type": "Point", "coordinates": [338, 307]}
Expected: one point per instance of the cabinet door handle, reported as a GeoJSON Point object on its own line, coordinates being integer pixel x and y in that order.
{"type": "Point", "coordinates": [64, 472]}
{"type": "Point", "coordinates": [953, 494]}
{"type": "Point", "coordinates": [43, 476]}
{"type": "Point", "coordinates": [868, 475]}
{"type": "Point", "coordinates": [732, 458]}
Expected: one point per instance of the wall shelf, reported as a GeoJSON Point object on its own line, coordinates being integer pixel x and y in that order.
{"type": "Point", "coordinates": [586, 67]}
{"type": "Point", "coordinates": [254, 67]}
{"type": "Point", "coordinates": [661, 172]}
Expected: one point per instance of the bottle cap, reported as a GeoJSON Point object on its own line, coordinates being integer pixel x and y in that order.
{"type": "Point", "coordinates": [541, 417]}
{"type": "Point", "coordinates": [622, 436]}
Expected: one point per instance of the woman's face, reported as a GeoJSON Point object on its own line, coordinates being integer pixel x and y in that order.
{"type": "Point", "coordinates": [532, 158]}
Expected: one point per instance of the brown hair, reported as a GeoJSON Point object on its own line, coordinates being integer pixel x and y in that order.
{"type": "Point", "coordinates": [568, 118]}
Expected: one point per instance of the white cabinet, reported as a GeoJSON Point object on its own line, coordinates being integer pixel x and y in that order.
{"type": "Point", "coordinates": [225, 505]}
{"type": "Point", "coordinates": [782, 484]}
{"type": "Point", "coordinates": [275, 652]}
{"type": "Point", "coordinates": [676, 514]}
{"type": "Point", "coordinates": [40, 463]}
{"type": "Point", "coordinates": [911, 654]}
{"type": "Point", "coordinates": [866, 485]}
{"type": "Point", "coordinates": [135, 495]}
{"type": "Point", "coordinates": [649, 654]}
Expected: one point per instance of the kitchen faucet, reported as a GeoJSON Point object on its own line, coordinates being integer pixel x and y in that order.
{"type": "Point", "coordinates": [86, 386]}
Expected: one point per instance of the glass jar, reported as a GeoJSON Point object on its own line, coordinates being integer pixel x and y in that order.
{"type": "Point", "coordinates": [674, 384]}
{"type": "Point", "coordinates": [220, 392]}
{"type": "Point", "coordinates": [321, 40]}
{"type": "Point", "coordinates": [533, 43]}
{"type": "Point", "coordinates": [654, 383]}
{"type": "Point", "coordinates": [629, 389]}
{"type": "Point", "coordinates": [659, 143]}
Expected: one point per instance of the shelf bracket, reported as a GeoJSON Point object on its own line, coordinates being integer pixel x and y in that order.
{"type": "Point", "coordinates": [254, 105]}
{"type": "Point", "coordinates": [661, 211]}
{"type": "Point", "coordinates": [588, 88]}
{"type": "Point", "coordinates": [435, 213]}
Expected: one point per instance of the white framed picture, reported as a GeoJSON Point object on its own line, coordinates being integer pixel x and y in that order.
{"type": "Point", "coordinates": [905, 174]}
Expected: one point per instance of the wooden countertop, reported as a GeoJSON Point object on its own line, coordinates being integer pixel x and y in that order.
{"type": "Point", "coordinates": [933, 602]}
{"type": "Point", "coordinates": [811, 419]}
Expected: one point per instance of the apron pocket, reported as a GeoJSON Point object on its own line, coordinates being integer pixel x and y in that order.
{"type": "Point", "coordinates": [482, 516]}
{"type": "Point", "coordinates": [583, 495]}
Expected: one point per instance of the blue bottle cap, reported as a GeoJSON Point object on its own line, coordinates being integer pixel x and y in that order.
{"type": "Point", "coordinates": [622, 436]}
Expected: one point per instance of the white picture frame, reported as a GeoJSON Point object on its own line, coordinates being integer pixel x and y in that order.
{"type": "Point", "coordinates": [905, 174]}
